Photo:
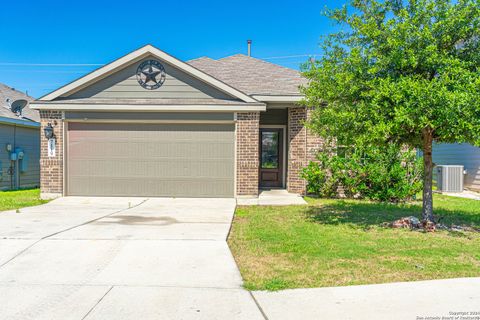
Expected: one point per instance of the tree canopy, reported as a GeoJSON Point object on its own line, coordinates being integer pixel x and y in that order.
{"type": "Point", "coordinates": [399, 71]}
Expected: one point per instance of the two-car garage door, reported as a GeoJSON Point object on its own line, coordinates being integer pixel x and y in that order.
{"type": "Point", "coordinates": [132, 159]}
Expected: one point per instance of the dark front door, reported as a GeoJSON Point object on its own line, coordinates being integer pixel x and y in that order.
{"type": "Point", "coordinates": [271, 157]}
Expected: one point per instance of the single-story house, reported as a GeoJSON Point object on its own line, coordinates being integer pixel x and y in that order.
{"type": "Point", "coordinates": [19, 141]}
{"type": "Point", "coordinates": [149, 124]}
{"type": "Point", "coordinates": [462, 154]}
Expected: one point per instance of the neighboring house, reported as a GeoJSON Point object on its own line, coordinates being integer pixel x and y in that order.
{"type": "Point", "coordinates": [149, 124]}
{"type": "Point", "coordinates": [460, 154]}
{"type": "Point", "coordinates": [19, 141]}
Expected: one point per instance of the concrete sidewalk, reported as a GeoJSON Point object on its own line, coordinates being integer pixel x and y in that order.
{"type": "Point", "coordinates": [466, 194]}
{"type": "Point", "coordinates": [402, 301]}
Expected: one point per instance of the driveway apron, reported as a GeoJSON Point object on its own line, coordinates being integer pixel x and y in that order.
{"type": "Point", "coordinates": [121, 258]}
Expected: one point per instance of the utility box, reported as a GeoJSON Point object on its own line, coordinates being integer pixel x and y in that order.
{"type": "Point", "coordinates": [449, 178]}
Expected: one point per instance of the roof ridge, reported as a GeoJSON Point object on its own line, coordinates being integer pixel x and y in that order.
{"type": "Point", "coordinates": [257, 59]}
{"type": "Point", "coordinates": [200, 58]}
{"type": "Point", "coordinates": [15, 90]}
{"type": "Point", "coordinates": [232, 55]}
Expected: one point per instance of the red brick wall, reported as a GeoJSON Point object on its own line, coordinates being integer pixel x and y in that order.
{"type": "Point", "coordinates": [51, 168]}
{"type": "Point", "coordinates": [303, 147]}
{"type": "Point", "coordinates": [248, 128]}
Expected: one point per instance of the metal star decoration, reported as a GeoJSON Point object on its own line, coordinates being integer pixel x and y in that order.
{"type": "Point", "coordinates": [151, 74]}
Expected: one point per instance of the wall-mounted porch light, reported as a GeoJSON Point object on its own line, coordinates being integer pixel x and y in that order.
{"type": "Point", "coordinates": [48, 130]}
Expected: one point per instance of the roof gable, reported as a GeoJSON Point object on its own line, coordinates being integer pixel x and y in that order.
{"type": "Point", "coordinates": [116, 66]}
{"type": "Point", "coordinates": [123, 84]}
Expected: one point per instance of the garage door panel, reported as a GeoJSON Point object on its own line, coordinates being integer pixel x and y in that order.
{"type": "Point", "coordinates": [182, 168]}
{"type": "Point", "coordinates": [100, 149]}
{"type": "Point", "coordinates": [152, 187]}
{"type": "Point", "coordinates": [150, 159]}
{"type": "Point", "coordinates": [112, 131]}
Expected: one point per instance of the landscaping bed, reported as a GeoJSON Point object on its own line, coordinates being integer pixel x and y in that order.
{"type": "Point", "coordinates": [19, 199]}
{"type": "Point", "coordinates": [345, 242]}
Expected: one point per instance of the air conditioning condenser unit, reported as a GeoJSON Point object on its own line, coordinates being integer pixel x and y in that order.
{"type": "Point", "coordinates": [449, 178]}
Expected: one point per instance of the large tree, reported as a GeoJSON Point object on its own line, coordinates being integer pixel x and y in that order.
{"type": "Point", "coordinates": [404, 72]}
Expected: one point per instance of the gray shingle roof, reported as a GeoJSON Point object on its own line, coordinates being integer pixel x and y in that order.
{"type": "Point", "coordinates": [251, 75]}
{"type": "Point", "coordinates": [9, 93]}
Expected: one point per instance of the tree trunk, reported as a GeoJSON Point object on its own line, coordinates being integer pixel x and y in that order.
{"type": "Point", "coordinates": [427, 212]}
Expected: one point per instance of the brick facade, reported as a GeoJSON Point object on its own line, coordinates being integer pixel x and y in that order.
{"type": "Point", "coordinates": [247, 131]}
{"type": "Point", "coordinates": [314, 142]}
{"type": "Point", "coordinates": [303, 147]}
{"type": "Point", "coordinates": [51, 168]}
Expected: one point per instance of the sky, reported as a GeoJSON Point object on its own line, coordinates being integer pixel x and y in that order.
{"type": "Point", "coordinates": [43, 42]}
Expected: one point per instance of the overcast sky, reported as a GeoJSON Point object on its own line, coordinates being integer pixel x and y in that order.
{"type": "Point", "coordinates": [97, 32]}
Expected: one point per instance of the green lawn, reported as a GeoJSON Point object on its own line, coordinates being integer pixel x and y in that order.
{"type": "Point", "coordinates": [342, 242]}
{"type": "Point", "coordinates": [19, 199]}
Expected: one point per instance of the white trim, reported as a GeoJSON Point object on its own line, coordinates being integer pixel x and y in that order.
{"type": "Point", "coordinates": [235, 136]}
{"type": "Point", "coordinates": [279, 98]}
{"type": "Point", "coordinates": [19, 122]}
{"type": "Point", "coordinates": [64, 155]}
{"type": "Point", "coordinates": [149, 121]}
{"type": "Point", "coordinates": [146, 107]}
{"type": "Point", "coordinates": [136, 56]}
{"type": "Point", "coordinates": [284, 157]}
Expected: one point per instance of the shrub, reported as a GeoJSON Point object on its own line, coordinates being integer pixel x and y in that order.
{"type": "Point", "coordinates": [390, 174]}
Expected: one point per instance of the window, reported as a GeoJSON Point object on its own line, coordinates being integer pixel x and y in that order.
{"type": "Point", "coordinates": [270, 149]}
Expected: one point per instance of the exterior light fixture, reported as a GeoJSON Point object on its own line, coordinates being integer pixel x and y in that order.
{"type": "Point", "coordinates": [48, 130]}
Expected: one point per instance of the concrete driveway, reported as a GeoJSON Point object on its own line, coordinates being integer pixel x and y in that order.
{"type": "Point", "coordinates": [121, 258]}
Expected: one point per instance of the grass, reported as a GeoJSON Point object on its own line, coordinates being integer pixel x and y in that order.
{"type": "Point", "coordinates": [342, 242]}
{"type": "Point", "coordinates": [19, 199]}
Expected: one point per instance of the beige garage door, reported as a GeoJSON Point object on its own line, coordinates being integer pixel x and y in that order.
{"type": "Point", "coordinates": [174, 160]}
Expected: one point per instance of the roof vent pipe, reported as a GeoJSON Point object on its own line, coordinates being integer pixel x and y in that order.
{"type": "Point", "coordinates": [249, 43]}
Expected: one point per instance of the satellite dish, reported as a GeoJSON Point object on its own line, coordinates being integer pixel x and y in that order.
{"type": "Point", "coordinates": [18, 105]}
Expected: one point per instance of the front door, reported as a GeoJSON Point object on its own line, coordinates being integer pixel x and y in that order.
{"type": "Point", "coordinates": [271, 158]}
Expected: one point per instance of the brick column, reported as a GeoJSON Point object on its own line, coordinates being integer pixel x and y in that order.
{"type": "Point", "coordinates": [51, 168]}
{"type": "Point", "coordinates": [247, 131]}
{"type": "Point", "coordinates": [303, 147]}
{"type": "Point", "coordinates": [314, 142]}
{"type": "Point", "coordinates": [297, 152]}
